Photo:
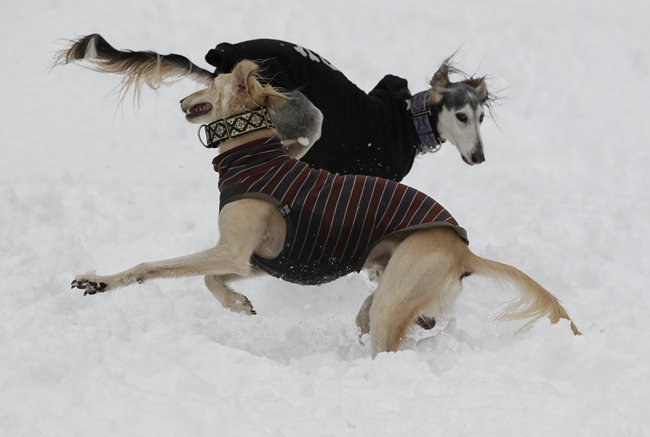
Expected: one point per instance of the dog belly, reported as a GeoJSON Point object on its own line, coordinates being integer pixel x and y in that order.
{"type": "Point", "coordinates": [304, 273]}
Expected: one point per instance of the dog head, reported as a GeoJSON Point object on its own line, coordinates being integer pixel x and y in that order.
{"type": "Point", "coordinates": [460, 109]}
{"type": "Point", "coordinates": [298, 121]}
{"type": "Point", "coordinates": [241, 90]}
{"type": "Point", "coordinates": [235, 93]}
{"type": "Point", "coordinates": [231, 94]}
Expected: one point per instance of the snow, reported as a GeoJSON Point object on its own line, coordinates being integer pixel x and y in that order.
{"type": "Point", "coordinates": [563, 195]}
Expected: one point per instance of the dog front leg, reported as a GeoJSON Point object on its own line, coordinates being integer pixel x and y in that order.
{"type": "Point", "coordinates": [243, 224]}
{"type": "Point", "coordinates": [230, 299]}
{"type": "Point", "coordinates": [218, 260]}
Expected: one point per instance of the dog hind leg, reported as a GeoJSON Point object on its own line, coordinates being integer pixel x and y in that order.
{"type": "Point", "coordinates": [363, 317]}
{"type": "Point", "coordinates": [420, 278]}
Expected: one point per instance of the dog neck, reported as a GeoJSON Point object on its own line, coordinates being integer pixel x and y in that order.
{"type": "Point", "coordinates": [245, 139]}
{"type": "Point", "coordinates": [422, 115]}
{"type": "Point", "coordinates": [229, 128]}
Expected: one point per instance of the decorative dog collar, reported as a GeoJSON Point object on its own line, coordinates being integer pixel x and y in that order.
{"type": "Point", "coordinates": [228, 128]}
{"type": "Point", "coordinates": [420, 113]}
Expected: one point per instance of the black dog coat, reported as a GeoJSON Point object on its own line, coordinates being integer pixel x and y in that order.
{"type": "Point", "coordinates": [370, 134]}
{"type": "Point", "coordinates": [333, 221]}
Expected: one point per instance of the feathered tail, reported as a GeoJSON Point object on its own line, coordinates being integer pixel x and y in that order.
{"type": "Point", "coordinates": [138, 67]}
{"type": "Point", "coordinates": [534, 300]}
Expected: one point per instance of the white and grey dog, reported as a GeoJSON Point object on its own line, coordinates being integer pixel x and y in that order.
{"type": "Point", "coordinates": [382, 132]}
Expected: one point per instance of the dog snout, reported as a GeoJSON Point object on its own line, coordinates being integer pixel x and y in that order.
{"type": "Point", "coordinates": [477, 155]}
{"type": "Point", "coordinates": [478, 158]}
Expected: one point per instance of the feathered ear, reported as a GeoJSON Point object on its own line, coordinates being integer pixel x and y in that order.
{"type": "Point", "coordinates": [139, 68]}
{"type": "Point", "coordinates": [249, 91]}
{"type": "Point", "coordinates": [244, 78]}
{"type": "Point", "coordinates": [481, 88]}
{"type": "Point", "coordinates": [439, 82]}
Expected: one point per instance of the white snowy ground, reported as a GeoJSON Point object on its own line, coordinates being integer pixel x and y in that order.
{"type": "Point", "coordinates": [563, 195]}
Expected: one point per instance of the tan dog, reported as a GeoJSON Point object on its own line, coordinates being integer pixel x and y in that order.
{"type": "Point", "coordinates": [421, 270]}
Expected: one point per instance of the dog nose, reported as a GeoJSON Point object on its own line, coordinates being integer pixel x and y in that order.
{"type": "Point", "coordinates": [477, 158]}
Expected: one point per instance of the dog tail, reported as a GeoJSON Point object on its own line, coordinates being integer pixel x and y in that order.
{"type": "Point", "coordinates": [533, 301]}
{"type": "Point", "coordinates": [138, 67]}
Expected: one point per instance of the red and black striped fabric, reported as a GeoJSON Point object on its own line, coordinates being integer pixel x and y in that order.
{"type": "Point", "coordinates": [333, 221]}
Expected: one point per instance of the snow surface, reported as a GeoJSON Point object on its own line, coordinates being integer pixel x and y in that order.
{"type": "Point", "coordinates": [563, 195]}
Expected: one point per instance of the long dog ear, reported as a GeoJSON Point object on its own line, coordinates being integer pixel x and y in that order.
{"type": "Point", "coordinates": [439, 82]}
{"type": "Point", "coordinates": [138, 67]}
{"type": "Point", "coordinates": [250, 91]}
{"type": "Point", "coordinates": [481, 88]}
{"type": "Point", "coordinates": [244, 78]}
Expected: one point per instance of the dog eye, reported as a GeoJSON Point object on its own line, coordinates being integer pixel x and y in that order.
{"type": "Point", "coordinates": [461, 117]}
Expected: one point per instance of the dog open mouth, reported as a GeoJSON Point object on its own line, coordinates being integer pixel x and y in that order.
{"type": "Point", "coordinates": [198, 110]}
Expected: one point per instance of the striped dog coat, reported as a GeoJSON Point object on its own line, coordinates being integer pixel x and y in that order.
{"type": "Point", "coordinates": [333, 221]}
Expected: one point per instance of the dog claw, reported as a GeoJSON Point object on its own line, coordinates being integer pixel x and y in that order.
{"type": "Point", "coordinates": [239, 304]}
{"type": "Point", "coordinates": [79, 284]}
{"type": "Point", "coordinates": [251, 311]}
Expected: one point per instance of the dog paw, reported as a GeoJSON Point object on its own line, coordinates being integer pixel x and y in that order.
{"type": "Point", "coordinates": [240, 304]}
{"type": "Point", "coordinates": [89, 287]}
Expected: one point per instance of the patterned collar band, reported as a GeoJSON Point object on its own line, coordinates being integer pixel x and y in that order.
{"type": "Point", "coordinates": [228, 128]}
{"type": "Point", "coordinates": [420, 113]}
